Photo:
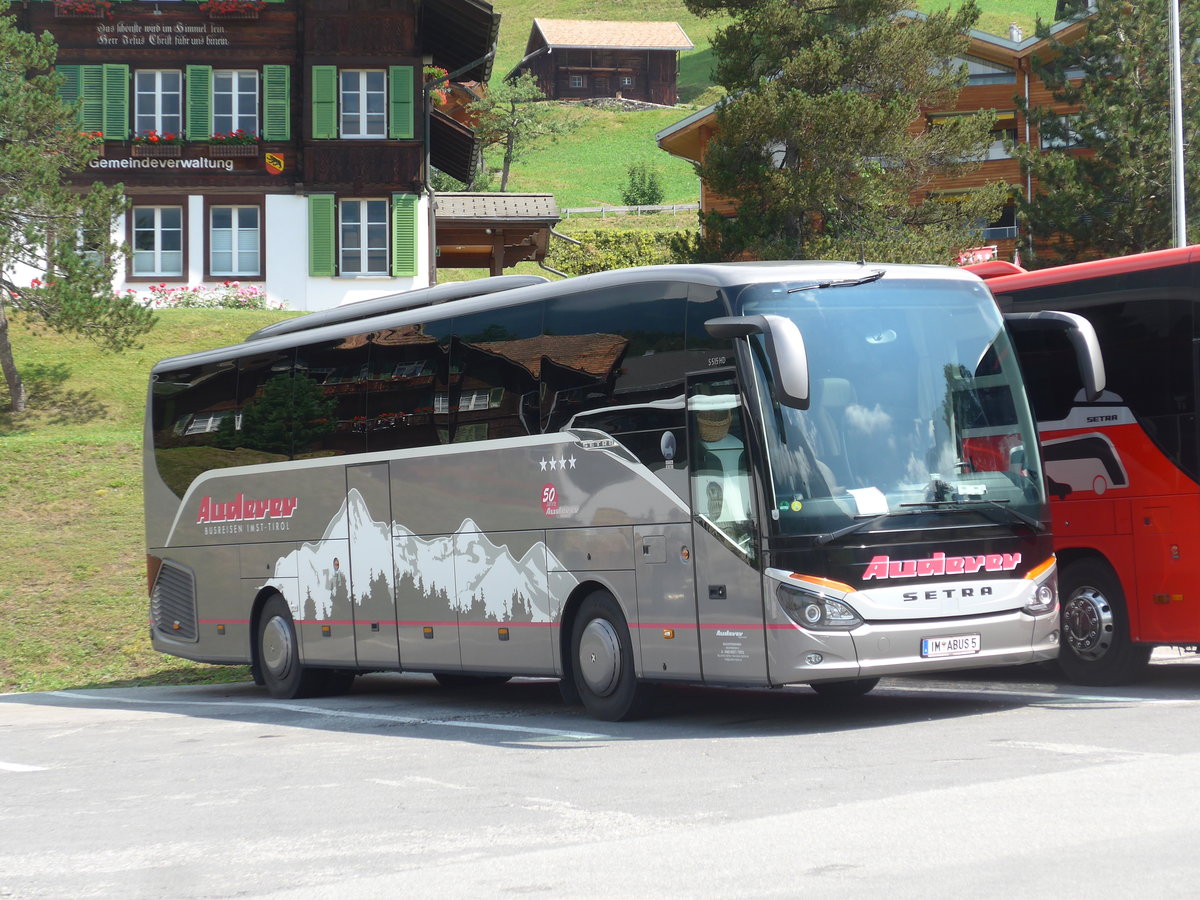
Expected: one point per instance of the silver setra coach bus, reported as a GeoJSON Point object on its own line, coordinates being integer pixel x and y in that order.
{"type": "Point", "coordinates": [753, 474]}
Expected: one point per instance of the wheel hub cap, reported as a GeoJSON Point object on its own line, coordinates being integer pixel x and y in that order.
{"type": "Point", "coordinates": [600, 657]}
{"type": "Point", "coordinates": [277, 647]}
{"type": "Point", "coordinates": [1088, 623]}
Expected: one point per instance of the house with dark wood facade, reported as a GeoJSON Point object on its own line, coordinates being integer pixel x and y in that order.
{"type": "Point", "coordinates": [1000, 71]}
{"type": "Point", "coordinates": [581, 60]}
{"type": "Point", "coordinates": [279, 142]}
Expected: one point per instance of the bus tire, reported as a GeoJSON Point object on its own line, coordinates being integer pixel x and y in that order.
{"type": "Point", "coordinates": [844, 690]}
{"type": "Point", "coordinates": [602, 661]}
{"type": "Point", "coordinates": [279, 655]}
{"type": "Point", "coordinates": [1096, 648]}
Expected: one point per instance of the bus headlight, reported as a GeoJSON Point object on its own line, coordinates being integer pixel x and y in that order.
{"type": "Point", "coordinates": [816, 611]}
{"type": "Point", "coordinates": [1045, 591]}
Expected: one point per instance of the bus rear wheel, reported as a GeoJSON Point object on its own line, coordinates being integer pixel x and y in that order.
{"type": "Point", "coordinates": [1096, 648]}
{"type": "Point", "coordinates": [602, 661]}
{"type": "Point", "coordinates": [279, 657]}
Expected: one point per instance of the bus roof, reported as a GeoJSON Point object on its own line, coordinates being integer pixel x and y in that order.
{"type": "Point", "coordinates": [366, 309]}
{"type": "Point", "coordinates": [718, 275]}
{"type": "Point", "coordinates": [1099, 268]}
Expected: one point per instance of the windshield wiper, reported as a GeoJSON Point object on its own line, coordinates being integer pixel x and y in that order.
{"type": "Point", "coordinates": [860, 525]}
{"type": "Point", "coordinates": [844, 282]}
{"type": "Point", "coordinates": [994, 504]}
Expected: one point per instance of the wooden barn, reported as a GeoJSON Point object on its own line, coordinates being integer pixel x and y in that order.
{"type": "Point", "coordinates": [582, 60]}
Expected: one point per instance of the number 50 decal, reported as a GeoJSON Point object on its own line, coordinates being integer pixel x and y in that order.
{"type": "Point", "coordinates": [549, 499]}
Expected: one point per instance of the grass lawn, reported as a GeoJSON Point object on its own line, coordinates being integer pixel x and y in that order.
{"type": "Point", "coordinates": [73, 607]}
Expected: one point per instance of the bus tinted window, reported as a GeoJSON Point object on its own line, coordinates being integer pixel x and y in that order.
{"type": "Point", "coordinates": [615, 361]}
{"type": "Point", "coordinates": [190, 408]}
{"type": "Point", "coordinates": [329, 397]}
{"type": "Point", "coordinates": [494, 375]}
{"type": "Point", "coordinates": [409, 370]}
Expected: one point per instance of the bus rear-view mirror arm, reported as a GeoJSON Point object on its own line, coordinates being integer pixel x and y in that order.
{"type": "Point", "coordinates": [1082, 337]}
{"type": "Point", "coordinates": [785, 352]}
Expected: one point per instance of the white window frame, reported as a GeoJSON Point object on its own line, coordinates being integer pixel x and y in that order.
{"type": "Point", "coordinates": [148, 112]}
{"type": "Point", "coordinates": [156, 254]}
{"type": "Point", "coordinates": [1073, 139]}
{"type": "Point", "coordinates": [371, 234]}
{"type": "Point", "coordinates": [357, 118]}
{"type": "Point", "coordinates": [237, 240]}
{"type": "Point", "coordinates": [626, 81]}
{"type": "Point", "coordinates": [577, 81]}
{"type": "Point", "coordinates": [235, 90]}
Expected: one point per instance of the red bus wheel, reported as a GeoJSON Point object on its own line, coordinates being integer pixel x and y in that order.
{"type": "Point", "coordinates": [1096, 647]}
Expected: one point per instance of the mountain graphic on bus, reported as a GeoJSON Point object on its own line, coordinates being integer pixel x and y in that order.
{"type": "Point", "coordinates": [1083, 462]}
{"type": "Point", "coordinates": [461, 573]}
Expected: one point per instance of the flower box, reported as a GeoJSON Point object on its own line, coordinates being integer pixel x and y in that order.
{"type": "Point", "coordinates": [234, 14]}
{"type": "Point", "coordinates": [227, 150]}
{"type": "Point", "coordinates": [156, 150]}
{"type": "Point", "coordinates": [82, 9]}
{"type": "Point", "coordinates": [233, 9]}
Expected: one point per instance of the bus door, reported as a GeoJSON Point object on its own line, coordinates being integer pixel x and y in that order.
{"type": "Point", "coordinates": [372, 592]}
{"type": "Point", "coordinates": [724, 533]}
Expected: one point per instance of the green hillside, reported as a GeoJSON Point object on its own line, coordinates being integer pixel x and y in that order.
{"type": "Point", "coordinates": [589, 167]}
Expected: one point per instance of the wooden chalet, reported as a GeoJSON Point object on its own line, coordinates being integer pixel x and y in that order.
{"type": "Point", "coordinates": [279, 142]}
{"type": "Point", "coordinates": [1000, 70]}
{"type": "Point", "coordinates": [493, 231]}
{"type": "Point", "coordinates": [582, 60]}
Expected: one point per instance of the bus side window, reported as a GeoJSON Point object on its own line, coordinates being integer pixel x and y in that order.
{"type": "Point", "coordinates": [494, 374]}
{"type": "Point", "coordinates": [614, 361]}
{"type": "Point", "coordinates": [194, 407]}
{"type": "Point", "coordinates": [721, 484]}
{"type": "Point", "coordinates": [409, 368]}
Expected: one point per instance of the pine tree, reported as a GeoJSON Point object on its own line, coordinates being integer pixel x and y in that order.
{"type": "Point", "coordinates": [45, 224]}
{"type": "Point", "coordinates": [817, 142]}
{"type": "Point", "coordinates": [1103, 174]}
{"type": "Point", "coordinates": [510, 116]}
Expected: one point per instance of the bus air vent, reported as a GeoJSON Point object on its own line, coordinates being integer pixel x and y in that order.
{"type": "Point", "coordinates": [173, 602]}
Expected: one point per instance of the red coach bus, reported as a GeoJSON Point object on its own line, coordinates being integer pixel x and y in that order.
{"type": "Point", "coordinates": [1123, 469]}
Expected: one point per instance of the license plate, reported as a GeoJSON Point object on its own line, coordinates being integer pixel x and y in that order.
{"type": "Point", "coordinates": [958, 645]}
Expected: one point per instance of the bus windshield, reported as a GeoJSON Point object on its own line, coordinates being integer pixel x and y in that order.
{"type": "Point", "coordinates": [916, 402]}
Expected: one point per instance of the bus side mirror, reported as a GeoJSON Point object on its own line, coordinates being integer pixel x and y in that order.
{"type": "Point", "coordinates": [785, 352]}
{"type": "Point", "coordinates": [1083, 340]}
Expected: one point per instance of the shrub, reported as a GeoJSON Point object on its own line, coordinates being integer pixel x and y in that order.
{"type": "Point", "coordinates": [229, 295]}
{"type": "Point", "coordinates": [644, 187]}
{"type": "Point", "coordinates": [611, 248]}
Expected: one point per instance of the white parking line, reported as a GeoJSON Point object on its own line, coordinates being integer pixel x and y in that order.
{"type": "Point", "coordinates": [20, 767]}
{"type": "Point", "coordinates": [1047, 696]}
{"type": "Point", "coordinates": [556, 733]}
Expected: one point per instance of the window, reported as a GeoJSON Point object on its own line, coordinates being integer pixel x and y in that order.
{"type": "Point", "coordinates": [626, 81]}
{"type": "Point", "coordinates": [1060, 134]}
{"type": "Point", "coordinates": [157, 241]}
{"type": "Point", "coordinates": [363, 103]}
{"type": "Point", "coordinates": [158, 101]}
{"type": "Point", "coordinates": [234, 240]}
{"type": "Point", "coordinates": [577, 81]}
{"type": "Point", "coordinates": [235, 102]}
{"type": "Point", "coordinates": [984, 71]}
{"type": "Point", "coordinates": [363, 237]}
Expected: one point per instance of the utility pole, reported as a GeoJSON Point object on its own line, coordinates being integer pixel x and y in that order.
{"type": "Point", "coordinates": [1178, 202]}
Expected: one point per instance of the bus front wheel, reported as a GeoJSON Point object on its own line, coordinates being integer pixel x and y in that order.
{"type": "Point", "coordinates": [279, 656]}
{"type": "Point", "coordinates": [1096, 648]}
{"type": "Point", "coordinates": [602, 661]}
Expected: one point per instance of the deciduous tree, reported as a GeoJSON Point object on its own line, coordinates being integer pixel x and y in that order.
{"type": "Point", "coordinates": [510, 117]}
{"type": "Point", "coordinates": [47, 226]}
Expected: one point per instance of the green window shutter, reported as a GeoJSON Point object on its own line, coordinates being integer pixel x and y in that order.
{"type": "Point", "coordinates": [277, 103]}
{"type": "Point", "coordinates": [116, 101]}
{"type": "Point", "coordinates": [324, 102]}
{"type": "Point", "coordinates": [400, 102]}
{"type": "Point", "coordinates": [320, 234]}
{"type": "Point", "coordinates": [198, 125]}
{"type": "Point", "coordinates": [68, 89]}
{"type": "Point", "coordinates": [91, 92]}
{"type": "Point", "coordinates": [404, 234]}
